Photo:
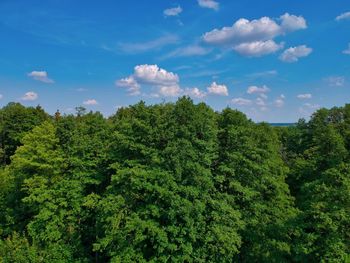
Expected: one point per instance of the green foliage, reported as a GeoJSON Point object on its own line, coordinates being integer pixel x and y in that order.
{"type": "Point", "coordinates": [15, 121]}
{"type": "Point", "coordinates": [174, 182]}
{"type": "Point", "coordinates": [252, 172]}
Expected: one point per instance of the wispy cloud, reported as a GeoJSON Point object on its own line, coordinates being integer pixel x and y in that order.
{"type": "Point", "coordinates": [188, 51]}
{"type": "Point", "coordinates": [336, 81]}
{"type": "Point", "coordinates": [175, 11]}
{"type": "Point", "coordinates": [347, 51]}
{"type": "Point", "coordinates": [262, 74]}
{"type": "Point", "coordinates": [343, 16]}
{"type": "Point", "coordinates": [208, 4]}
{"type": "Point", "coordinates": [304, 96]}
{"type": "Point", "coordinates": [279, 102]}
{"type": "Point", "coordinates": [241, 101]}
{"type": "Point", "coordinates": [152, 45]}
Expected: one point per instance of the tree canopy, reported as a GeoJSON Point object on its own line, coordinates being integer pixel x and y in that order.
{"type": "Point", "coordinates": [173, 182]}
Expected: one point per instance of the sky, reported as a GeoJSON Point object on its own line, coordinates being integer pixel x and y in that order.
{"type": "Point", "coordinates": [277, 61]}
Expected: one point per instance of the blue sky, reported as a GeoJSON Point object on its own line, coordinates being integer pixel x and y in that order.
{"type": "Point", "coordinates": [277, 61]}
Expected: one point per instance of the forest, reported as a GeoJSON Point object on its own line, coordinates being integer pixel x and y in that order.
{"type": "Point", "coordinates": [173, 182]}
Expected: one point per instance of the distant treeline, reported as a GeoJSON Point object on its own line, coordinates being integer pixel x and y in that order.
{"type": "Point", "coordinates": [173, 182]}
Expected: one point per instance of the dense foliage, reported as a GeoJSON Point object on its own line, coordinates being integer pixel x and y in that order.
{"type": "Point", "coordinates": [174, 182]}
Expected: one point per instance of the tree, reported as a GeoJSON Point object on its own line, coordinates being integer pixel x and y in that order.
{"type": "Point", "coordinates": [324, 225]}
{"type": "Point", "coordinates": [165, 205]}
{"type": "Point", "coordinates": [250, 169]}
{"type": "Point", "coordinates": [15, 121]}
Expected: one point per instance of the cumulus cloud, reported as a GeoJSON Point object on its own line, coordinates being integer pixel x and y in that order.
{"type": "Point", "coordinates": [195, 92]}
{"type": "Point", "coordinates": [209, 4]}
{"type": "Point", "coordinates": [166, 83]}
{"type": "Point", "coordinates": [241, 101]}
{"type": "Point", "coordinates": [130, 84]}
{"type": "Point", "coordinates": [40, 76]}
{"type": "Point", "coordinates": [304, 96]}
{"type": "Point", "coordinates": [217, 89]}
{"type": "Point", "coordinates": [290, 23]}
{"type": "Point", "coordinates": [258, 90]}
{"type": "Point", "coordinates": [90, 102]}
{"type": "Point", "coordinates": [255, 37]}
{"type": "Point", "coordinates": [30, 96]}
{"type": "Point", "coordinates": [258, 48]}
{"type": "Point", "coordinates": [347, 51]}
{"type": "Point", "coordinates": [152, 74]}
{"type": "Point", "coordinates": [343, 16]}
{"type": "Point", "coordinates": [175, 11]}
{"type": "Point", "coordinates": [242, 31]}
{"type": "Point", "coordinates": [293, 54]}
{"type": "Point", "coordinates": [170, 91]}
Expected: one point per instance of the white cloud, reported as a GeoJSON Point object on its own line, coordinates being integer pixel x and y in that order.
{"type": "Point", "coordinates": [255, 37]}
{"type": "Point", "coordinates": [307, 109]}
{"type": "Point", "coordinates": [292, 23]}
{"type": "Point", "coordinates": [209, 4]}
{"type": "Point", "coordinates": [90, 102]}
{"type": "Point", "coordinates": [293, 54]}
{"type": "Point", "coordinates": [336, 81]}
{"type": "Point", "coordinates": [1, 96]}
{"type": "Point", "coordinates": [130, 84]}
{"type": "Point", "coordinates": [175, 11]}
{"type": "Point", "coordinates": [258, 90]}
{"type": "Point", "coordinates": [217, 89]}
{"type": "Point", "coordinates": [345, 15]}
{"type": "Point", "coordinates": [264, 96]}
{"type": "Point", "coordinates": [244, 30]}
{"type": "Point", "coordinates": [166, 83]}
{"type": "Point", "coordinates": [30, 95]}
{"type": "Point", "coordinates": [257, 48]}
{"type": "Point", "coordinates": [279, 102]}
{"type": "Point", "coordinates": [192, 50]}
{"type": "Point", "coordinates": [170, 91]}
{"type": "Point", "coordinates": [347, 51]}
{"type": "Point", "coordinates": [262, 74]}
{"type": "Point", "coordinates": [149, 45]}
{"type": "Point", "coordinates": [40, 76]}
{"type": "Point", "coordinates": [241, 101]}
{"type": "Point", "coordinates": [312, 106]}
{"type": "Point", "coordinates": [152, 74]}
{"type": "Point", "coordinates": [195, 92]}
{"type": "Point", "coordinates": [304, 96]}
{"type": "Point", "coordinates": [260, 102]}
